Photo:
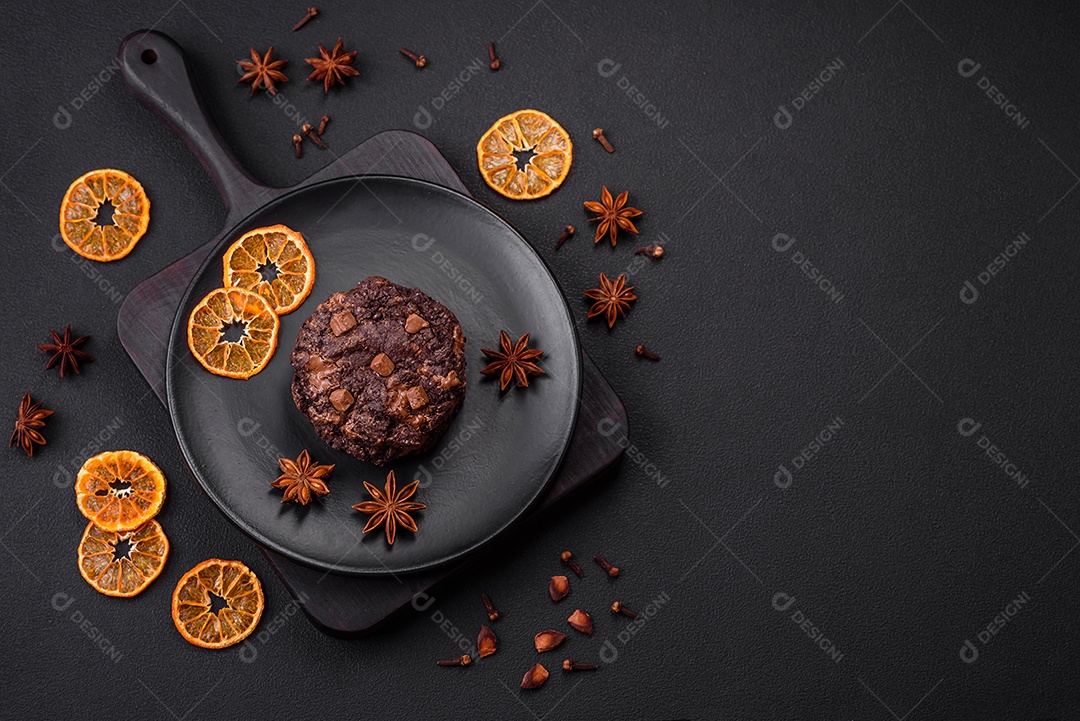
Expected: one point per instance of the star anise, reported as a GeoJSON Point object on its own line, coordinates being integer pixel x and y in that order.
{"type": "Point", "coordinates": [333, 67]}
{"type": "Point", "coordinates": [31, 417]}
{"type": "Point", "coordinates": [66, 351]}
{"type": "Point", "coordinates": [514, 362]}
{"type": "Point", "coordinates": [612, 215]}
{"type": "Point", "coordinates": [391, 507]}
{"type": "Point", "coordinates": [262, 72]}
{"type": "Point", "coordinates": [302, 479]}
{"type": "Point", "coordinates": [612, 298]}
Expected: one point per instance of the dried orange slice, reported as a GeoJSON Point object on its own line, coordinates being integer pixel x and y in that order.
{"type": "Point", "coordinates": [231, 582]}
{"type": "Point", "coordinates": [119, 490]}
{"type": "Point", "coordinates": [215, 314]}
{"type": "Point", "coordinates": [79, 210]}
{"type": "Point", "coordinates": [127, 575]}
{"type": "Point", "coordinates": [535, 136]}
{"type": "Point", "coordinates": [278, 251]}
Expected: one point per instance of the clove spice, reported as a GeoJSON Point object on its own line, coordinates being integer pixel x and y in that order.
{"type": "Point", "coordinates": [420, 60]}
{"type": "Point", "coordinates": [297, 139]}
{"type": "Point", "coordinates": [612, 571]}
{"type": "Point", "coordinates": [569, 665]}
{"type": "Point", "coordinates": [617, 608]}
{"type": "Point", "coordinates": [494, 64]}
{"type": "Point", "coordinates": [322, 124]}
{"type": "Point", "coordinates": [311, 12]}
{"type": "Point", "coordinates": [599, 135]}
{"type": "Point", "coordinates": [644, 352]}
{"type": "Point", "coordinates": [464, 660]}
{"type": "Point", "coordinates": [493, 615]}
{"type": "Point", "coordinates": [565, 236]}
{"type": "Point", "coordinates": [309, 130]}
{"type": "Point", "coordinates": [655, 251]}
{"type": "Point", "coordinates": [568, 559]}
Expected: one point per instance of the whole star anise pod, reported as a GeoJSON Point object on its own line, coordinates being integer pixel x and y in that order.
{"type": "Point", "coordinates": [333, 67]}
{"type": "Point", "coordinates": [66, 351]}
{"type": "Point", "coordinates": [262, 72]}
{"type": "Point", "coordinates": [391, 507]}
{"type": "Point", "coordinates": [514, 362]}
{"type": "Point", "coordinates": [612, 298]}
{"type": "Point", "coordinates": [31, 417]}
{"type": "Point", "coordinates": [302, 479]}
{"type": "Point", "coordinates": [612, 215]}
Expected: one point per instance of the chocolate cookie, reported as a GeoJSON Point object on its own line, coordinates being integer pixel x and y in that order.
{"type": "Point", "coordinates": [379, 370]}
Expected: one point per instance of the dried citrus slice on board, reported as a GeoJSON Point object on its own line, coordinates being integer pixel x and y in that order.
{"type": "Point", "coordinates": [230, 581]}
{"type": "Point", "coordinates": [119, 490]}
{"type": "Point", "coordinates": [212, 319]}
{"type": "Point", "coordinates": [126, 575]}
{"type": "Point", "coordinates": [79, 226]}
{"type": "Point", "coordinates": [534, 136]}
{"type": "Point", "coordinates": [278, 252]}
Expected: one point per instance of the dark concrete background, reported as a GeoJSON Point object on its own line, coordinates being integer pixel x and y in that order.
{"type": "Point", "coordinates": [899, 538]}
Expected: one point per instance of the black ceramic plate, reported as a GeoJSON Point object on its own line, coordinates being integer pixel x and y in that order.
{"type": "Point", "coordinates": [499, 453]}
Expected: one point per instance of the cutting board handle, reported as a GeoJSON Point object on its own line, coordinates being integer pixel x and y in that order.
{"type": "Point", "coordinates": [158, 74]}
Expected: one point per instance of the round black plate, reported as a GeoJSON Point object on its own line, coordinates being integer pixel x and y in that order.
{"type": "Point", "coordinates": [501, 450]}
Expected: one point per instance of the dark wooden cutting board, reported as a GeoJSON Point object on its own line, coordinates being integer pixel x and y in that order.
{"type": "Point", "coordinates": [337, 604]}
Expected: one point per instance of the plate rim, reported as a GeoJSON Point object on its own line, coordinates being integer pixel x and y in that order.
{"type": "Point", "coordinates": [267, 544]}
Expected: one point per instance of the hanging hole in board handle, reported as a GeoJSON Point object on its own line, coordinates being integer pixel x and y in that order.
{"type": "Point", "coordinates": [149, 56]}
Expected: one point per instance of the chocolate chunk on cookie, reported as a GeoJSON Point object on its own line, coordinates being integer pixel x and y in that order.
{"type": "Point", "coordinates": [379, 370]}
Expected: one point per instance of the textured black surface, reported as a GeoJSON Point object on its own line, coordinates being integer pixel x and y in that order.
{"type": "Point", "coordinates": [900, 181]}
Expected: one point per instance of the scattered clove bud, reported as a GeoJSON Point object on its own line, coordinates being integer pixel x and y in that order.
{"type": "Point", "coordinates": [568, 559]}
{"type": "Point", "coordinates": [493, 615]}
{"type": "Point", "coordinates": [580, 621]}
{"type": "Point", "coordinates": [646, 353]}
{"type": "Point", "coordinates": [465, 660]}
{"type": "Point", "coordinates": [558, 587]}
{"type": "Point", "coordinates": [534, 677]}
{"type": "Point", "coordinates": [569, 665]}
{"type": "Point", "coordinates": [565, 236]}
{"type": "Point", "coordinates": [309, 130]}
{"type": "Point", "coordinates": [486, 643]}
{"type": "Point", "coordinates": [311, 12]}
{"type": "Point", "coordinates": [617, 607]}
{"type": "Point", "coordinates": [548, 640]}
{"type": "Point", "coordinates": [494, 65]}
{"type": "Point", "coordinates": [420, 60]}
{"type": "Point", "coordinates": [296, 140]}
{"type": "Point", "coordinates": [612, 571]}
{"type": "Point", "coordinates": [655, 251]}
{"type": "Point", "coordinates": [599, 135]}
{"type": "Point", "coordinates": [322, 124]}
